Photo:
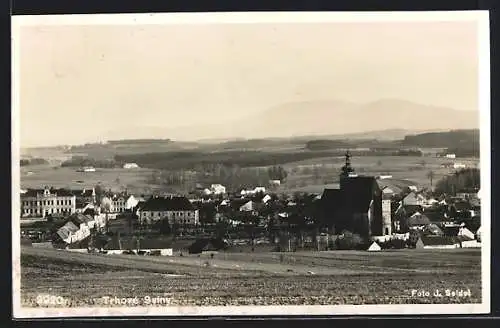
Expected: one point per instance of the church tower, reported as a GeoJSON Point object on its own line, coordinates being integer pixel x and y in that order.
{"type": "Point", "coordinates": [347, 170]}
{"type": "Point", "coordinates": [386, 215]}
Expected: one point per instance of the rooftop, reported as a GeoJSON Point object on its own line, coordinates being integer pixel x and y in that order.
{"type": "Point", "coordinates": [173, 203]}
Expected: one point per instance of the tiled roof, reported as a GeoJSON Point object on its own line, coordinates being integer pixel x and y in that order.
{"type": "Point", "coordinates": [59, 192]}
{"type": "Point", "coordinates": [418, 219]}
{"type": "Point", "coordinates": [67, 229]}
{"type": "Point", "coordinates": [175, 203]}
{"type": "Point", "coordinates": [89, 211]}
{"type": "Point", "coordinates": [78, 218]}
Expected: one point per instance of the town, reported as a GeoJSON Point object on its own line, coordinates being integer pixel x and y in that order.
{"type": "Point", "coordinates": [364, 213]}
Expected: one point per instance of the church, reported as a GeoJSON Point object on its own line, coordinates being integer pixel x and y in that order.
{"type": "Point", "coordinates": [357, 206]}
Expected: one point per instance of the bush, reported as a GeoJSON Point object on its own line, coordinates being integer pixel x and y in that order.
{"type": "Point", "coordinates": [350, 241]}
{"type": "Point", "coordinates": [393, 243]}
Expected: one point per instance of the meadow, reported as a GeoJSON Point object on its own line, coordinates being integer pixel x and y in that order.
{"type": "Point", "coordinates": [312, 175]}
{"type": "Point", "coordinates": [315, 278]}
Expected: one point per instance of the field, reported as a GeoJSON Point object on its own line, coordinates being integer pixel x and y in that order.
{"type": "Point", "coordinates": [134, 180]}
{"type": "Point", "coordinates": [405, 170]}
{"type": "Point", "coordinates": [314, 278]}
{"type": "Point", "coordinates": [310, 175]}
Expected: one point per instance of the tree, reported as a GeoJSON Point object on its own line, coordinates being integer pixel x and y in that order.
{"type": "Point", "coordinates": [163, 226]}
{"type": "Point", "coordinates": [99, 192]}
{"type": "Point", "coordinates": [430, 175]}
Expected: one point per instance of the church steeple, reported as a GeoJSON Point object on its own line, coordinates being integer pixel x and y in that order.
{"type": "Point", "coordinates": [347, 168]}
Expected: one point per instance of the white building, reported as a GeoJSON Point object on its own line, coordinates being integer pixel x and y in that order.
{"type": "Point", "coordinates": [451, 156]}
{"type": "Point", "coordinates": [47, 201]}
{"type": "Point", "coordinates": [130, 166]}
{"type": "Point", "coordinates": [217, 189]}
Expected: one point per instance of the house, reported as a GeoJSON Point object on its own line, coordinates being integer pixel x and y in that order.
{"type": "Point", "coordinates": [47, 202]}
{"type": "Point", "coordinates": [256, 190]}
{"type": "Point", "coordinates": [70, 233]}
{"type": "Point", "coordinates": [247, 206]}
{"type": "Point", "coordinates": [275, 183]}
{"type": "Point", "coordinates": [464, 232]}
{"type": "Point", "coordinates": [459, 166]}
{"type": "Point", "coordinates": [413, 188]}
{"type": "Point", "coordinates": [176, 209]}
{"type": "Point", "coordinates": [478, 234]}
{"type": "Point", "coordinates": [433, 229]}
{"type": "Point", "coordinates": [130, 166]}
{"type": "Point", "coordinates": [374, 247]}
{"type": "Point", "coordinates": [217, 189]}
{"type": "Point", "coordinates": [418, 220]}
{"type": "Point", "coordinates": [414, 198]}
{"type": "Point", "coordinates": [450, 156]}
{"type": "Point", "coordinates": [266, 199]}
{"type": "Point", "coordinates": [86, 195]}
{"type": "Point", "coordinates": [388, 192]}
{"type": "Point", "coordinates": [132, 201]}
{"type": "Point", "coordinates": [114, 203]}
{"type": "Point", "coordinates": [207, 245]}
{"type": "Point", "coordinates": [86, 169]}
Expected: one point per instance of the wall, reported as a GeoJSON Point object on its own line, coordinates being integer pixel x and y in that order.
{"type": "Point", "coordinates": [442, 246]}
{"type": "Point", "coordinates": [386, 217]}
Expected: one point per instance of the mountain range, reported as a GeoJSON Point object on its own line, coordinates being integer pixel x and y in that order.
{"type": "Point", "coordinates": [383, 119]}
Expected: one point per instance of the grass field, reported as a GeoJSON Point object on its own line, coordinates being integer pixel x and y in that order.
{"type": "Point", "coordinates": [315, 278]}
{"type": "Point", "coordinates": [134, 180]}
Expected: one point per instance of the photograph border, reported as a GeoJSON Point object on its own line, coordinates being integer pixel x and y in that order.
{"type": "Point", "coordinates": [482, 16]}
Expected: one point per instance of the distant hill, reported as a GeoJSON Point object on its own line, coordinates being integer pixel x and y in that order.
{"type": "Point", "coordinates": [392, 118]}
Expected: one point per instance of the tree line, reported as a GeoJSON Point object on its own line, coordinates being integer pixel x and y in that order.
{"type": "Point", "coordinates": [464, 180]}
{"type": "Point", "coordinates": [233, 177]}
{"type": "Point", "coordinates": [33, 161]}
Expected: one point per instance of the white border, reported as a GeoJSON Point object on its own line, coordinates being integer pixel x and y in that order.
{"type": "Point", "coordinates": [482, 17]}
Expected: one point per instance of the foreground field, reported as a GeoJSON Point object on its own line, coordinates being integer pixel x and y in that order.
{"type": "Point", "coordinates": [321, 278]}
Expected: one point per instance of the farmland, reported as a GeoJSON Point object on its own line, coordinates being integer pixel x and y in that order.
{"type": "Point", "coordinates": [311, 175]}
{"type": "Point", "coordinates": [312, 278]}
{"type": "Point", "coordinates": [135, 180]}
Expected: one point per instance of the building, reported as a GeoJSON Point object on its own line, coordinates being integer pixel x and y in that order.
{"type": "Point", "coordinates": [452, 156]}
{"type": "Point", "coordinates": [356, 206]}
{"type": "Point", "coordinates": [132, 202]}
{"type": "Point", "coordinates": [176, 209]}
{"type": "Point", "coordinates": [85, 195]}
{"type": "Point", "coordinates": [86, 169]}
{"type": "Point", "coordinates": [414, 198]}
{"type": "Point", "coordinates": [114, 203]}
{"type": "Point", "coordinates": [217, 189]}
{"type": "Point", "coordinates": [130, 166]}
{"type": "Point", "coordinates": [47, 202]}
{"type": "Point", "coordinates": [77, 228]}
{"type": "Point", "coordinates": [386, 214]}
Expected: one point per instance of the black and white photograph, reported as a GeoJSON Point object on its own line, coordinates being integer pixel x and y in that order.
{"type": "Point", "coordinates": [263, 163]}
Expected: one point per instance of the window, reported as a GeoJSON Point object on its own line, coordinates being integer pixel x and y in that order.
{"type": "Point", "coordinates": [386, 231]}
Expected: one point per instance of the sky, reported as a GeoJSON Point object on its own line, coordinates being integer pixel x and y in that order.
{"type": "Point", "coordinates": [78, 83]}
